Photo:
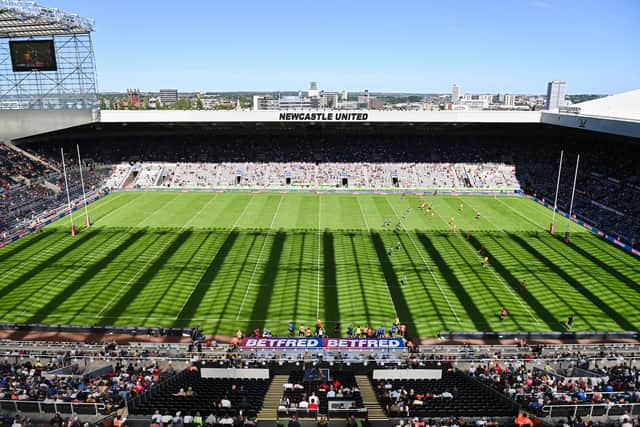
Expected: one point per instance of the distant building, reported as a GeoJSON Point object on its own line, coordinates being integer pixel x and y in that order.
{"type": "Point", "coordinates": [134, 99]}
{"type": "Point", "coordinates": [509, 100]}
{"type": "Point", "coordinates": [313, 90]}
{"type": "Point", "coordinates": [315, 99]}
{"type": "Point", "coordinates": [455, 94]}
{"type": "Point", "coordinates": [329, 99]}
{"type": "Point", "coordinates": [556, 92]}
{"type": "Point", "coordinates": [370, 102]}
{"type": "Point", "coordinates": [487, 98]}
{"type": "Point", "coordinates": [168, 96]}
{"type": "Point", "coordinates": [472, 104]}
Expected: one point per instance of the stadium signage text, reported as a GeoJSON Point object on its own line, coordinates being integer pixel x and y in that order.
{"type": "Point", "coordinates": [323, 117]}
{"type": "Point", "coordinates": [319, 343]}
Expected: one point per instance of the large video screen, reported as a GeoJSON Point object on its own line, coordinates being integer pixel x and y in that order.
{"type": "Point", "coordinates": [32, 55]}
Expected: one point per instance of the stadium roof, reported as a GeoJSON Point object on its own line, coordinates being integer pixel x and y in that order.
{"type": "Point", "coordinates": [616, 114]}
{"type": "Point", "coordinates": [624, 106]}
{"type": "Point", "coordinates": [21, 18]}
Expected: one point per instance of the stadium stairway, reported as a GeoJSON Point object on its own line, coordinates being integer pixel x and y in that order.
{"type": "Point", "coordinates": [269, 411]}
{"type": "Point", "coordinates": [369, 399]}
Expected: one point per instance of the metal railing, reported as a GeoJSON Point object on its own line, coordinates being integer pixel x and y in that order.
{"type": "Point", "coordinates": [590, 410]}
{"type": "Point", "coordinates": [28, 406]}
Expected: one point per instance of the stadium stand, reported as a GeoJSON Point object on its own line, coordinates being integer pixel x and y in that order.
{"type": "Point", "coordinates": [565, 391]}
{"type": "Point", "coordinates": [454, 393]}
{"type": "Point", "coordinates": [189, 392]}
{"type": "Point", "coordinates": [485, 382]}
{"type": "Point", "coordinates": [447, 158]}
{"type": "Point", "coordinates": [35, 382]}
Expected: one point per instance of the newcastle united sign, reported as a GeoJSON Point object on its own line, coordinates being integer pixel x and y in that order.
{"type": "Point", "coordinates": [323, 117]}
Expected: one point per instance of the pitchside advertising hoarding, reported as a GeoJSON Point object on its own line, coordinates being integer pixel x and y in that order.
{"type": "Point", "coordinates": [323, 343]}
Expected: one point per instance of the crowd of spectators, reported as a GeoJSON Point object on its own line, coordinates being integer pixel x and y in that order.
{"type": "Point", "coordinates": [31, 190]}
{"type": "Point", "coordinates": [189, 419]}
{"type": "Point", "coordinates": [312, 175]}
{"type": "Point", "coordinates": [30, 381]}
{"type": "Point", "coordinates": [607, 191]}
{"type": "Point", "coordinates": [534, 388]}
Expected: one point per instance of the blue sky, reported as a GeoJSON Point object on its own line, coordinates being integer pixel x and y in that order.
{"type": "Point", "coordinates": [401, 46]}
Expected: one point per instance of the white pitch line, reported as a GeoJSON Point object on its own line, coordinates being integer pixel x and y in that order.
{"type": "Point", "coordinates": [395, 311]}
{"type": "Point", "coordinates": [255, 268]}
{"type": "Point", "coordinates": [523, 216]}
{"type": "Point", "coordinates": [498, 277]}
{"type": "Point", "coordinates": [111, 212]}
{"type": "Point", "coordinates": [213, 259]}
{"type": "Point", "coordinates": [453, 311]}
{"type": "Point", "coordinates": [94, 255]}
{"type": "Point", "coordinates": [150, 260]}
{"type": "Point", "coordinates": [319, 241]}
{"type": "Point", "coordinates": [363, 215]}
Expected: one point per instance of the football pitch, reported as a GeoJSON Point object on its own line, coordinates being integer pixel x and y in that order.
{"type": "Point", "coordinates": [229, 261]}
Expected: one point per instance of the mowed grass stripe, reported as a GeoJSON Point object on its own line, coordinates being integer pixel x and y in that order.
{"type": "Point", "coordinates": [130, 296]}
{"type": "Point", "coordinates": [421, 279]}
{"type": "Point", "coordinates": [589, 272]}
{"type": "Point", "coordinates": [555, 295]}
{"type": "Point", "coordinates": [428, 263]}
{"type": "Point", "coordinates": [505, 278]}
{"type": "Point", "coordinates": [121, 269]}
{"type": "Point", "coordinates": [100, 258]}
{"type": "Point", "coordinates": [359, 282]}
{"type": "Point", "coordinates": [563, 267]}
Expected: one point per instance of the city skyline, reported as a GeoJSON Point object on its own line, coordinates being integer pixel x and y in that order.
{"type": "Point", "coordinates": [420, 47]}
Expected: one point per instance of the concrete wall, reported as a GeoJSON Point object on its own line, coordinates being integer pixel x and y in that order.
{"type": "Point", "coordinates": [21, 123]}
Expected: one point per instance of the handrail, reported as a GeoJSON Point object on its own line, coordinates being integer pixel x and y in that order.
{"type": "Point", "coordinates": [592, 409]}
{"type": "Point", "coordinates": [51, 407]}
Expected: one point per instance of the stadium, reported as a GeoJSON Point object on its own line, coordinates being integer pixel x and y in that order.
{"type": "Point", "coordinates": [311, 267]}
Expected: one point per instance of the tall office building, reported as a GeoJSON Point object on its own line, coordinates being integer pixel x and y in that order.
{"type": "Point", "coordinates": [168, 96]}
{"type": "Point", "coordinates": [455, 93]}
{"type": "Point", "coordinates": [509, 100]}
{"type": "Point", "coordinates": [556, 91]}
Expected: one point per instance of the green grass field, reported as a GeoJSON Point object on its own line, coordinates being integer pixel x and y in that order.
{"type": "Point", "coordinates": [228, 261]}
